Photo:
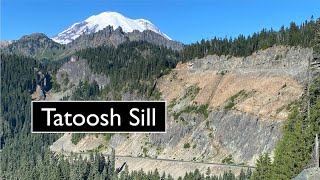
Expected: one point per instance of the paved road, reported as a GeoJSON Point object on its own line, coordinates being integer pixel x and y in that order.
{"type": "Point", "coordinates": [178, 161]}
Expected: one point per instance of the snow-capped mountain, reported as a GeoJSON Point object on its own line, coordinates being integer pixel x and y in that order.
{"type": "Point", "coordinates": [98, 22]}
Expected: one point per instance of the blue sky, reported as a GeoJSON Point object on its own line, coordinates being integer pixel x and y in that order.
{"type": "Point", "coordinates": [183, 20]}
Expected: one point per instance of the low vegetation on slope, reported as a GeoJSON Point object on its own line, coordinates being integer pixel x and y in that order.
{"type": "Point", "coordinates": [256, 93]}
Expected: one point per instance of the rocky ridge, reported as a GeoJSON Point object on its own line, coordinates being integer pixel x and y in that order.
{"type": "Point", "coordinates": [96, 23]}
{"type": "Point", "coordinates": [39, 46]}
{"type": "Point", "coordinates": [115, 37]}
{"type": "Point", "coordinates": [36, 45]}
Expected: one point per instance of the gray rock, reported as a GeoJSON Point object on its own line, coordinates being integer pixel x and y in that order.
{"type": "Point", "coordinates": [244, 135]}
{"type": "Point", "coordinates": [175, 132]}
{"type": "Point", "coordinates": [110, 37]}
{"type": "Point", "coordinates": [277, 60]}
{"type": "Point", "coordinates": [78, 69]}
{"type": "Point", "coordinates": [309, 174]}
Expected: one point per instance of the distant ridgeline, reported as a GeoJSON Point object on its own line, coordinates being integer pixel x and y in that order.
{"type": "Point", "coordinates": [40, 47]}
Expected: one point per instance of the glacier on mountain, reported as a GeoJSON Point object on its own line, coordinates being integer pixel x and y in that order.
{"type": "Point", "coordinates": [96, 23]}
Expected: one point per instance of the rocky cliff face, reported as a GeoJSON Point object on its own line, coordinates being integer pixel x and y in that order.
{"type": "Point", "coordinates": [248, 99]}
{"type": "Point", "coordinates": [69, 75]}
{"type": "Point", "coordinates": [223, 133]}
{"type": "Point", "coordinates": [77, 69]}
{"type": "Point", "coordinates": [276, 57]}
{"type": "Point", "coordinates": [221, 107]}
{"type": "Point", "coordinates": [151, 37]}
{"type": "Point", "coordinates": [309, 174]}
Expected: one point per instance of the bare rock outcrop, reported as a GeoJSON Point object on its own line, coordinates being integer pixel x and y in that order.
{"type": "Point", "coordinates": [246, 101]}
{"type": "Point", "coordinates": [4, 43]}
{"type": "Point", "coordinates": [309, 174]}
{"type": "Point", "coordinates": [38, 94]}
{"type": "Point", "coordinates": [77, 70]}
{"type": "Point", "coordinates": [114, 37]}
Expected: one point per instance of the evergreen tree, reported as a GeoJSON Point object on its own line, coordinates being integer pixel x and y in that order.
{"type": "Point", "coordinates": [263, 170]}
{"type": "Point", "coordinates": [294, 35]}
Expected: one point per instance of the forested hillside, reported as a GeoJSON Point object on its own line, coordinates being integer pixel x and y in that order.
{"type": "Point", "coordinates": [27, 156]}
{"type": "Point", "coordinates": [22, 150]}
{"type": "Point", "coordinates": [294, 35]}
{"type": "Point", "coordinates": [134, 67]}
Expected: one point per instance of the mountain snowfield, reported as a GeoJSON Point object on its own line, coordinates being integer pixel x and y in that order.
{"type": "Point", "coordinates": [96, 23]}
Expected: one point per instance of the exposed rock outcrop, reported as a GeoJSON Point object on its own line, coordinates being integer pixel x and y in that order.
{"type": "Point", "coordinates": [77, 70]}
{"type": "Point", "coordinates": [309, 174]}
{"type": "Point", "coordinates": [277, 60]}
{"type": "Point", "coordinates": [111, 37]}
{"type": "Point", "coordinates": [244, 102]}
{"type": "Point", "coordinates": [38, 94]}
